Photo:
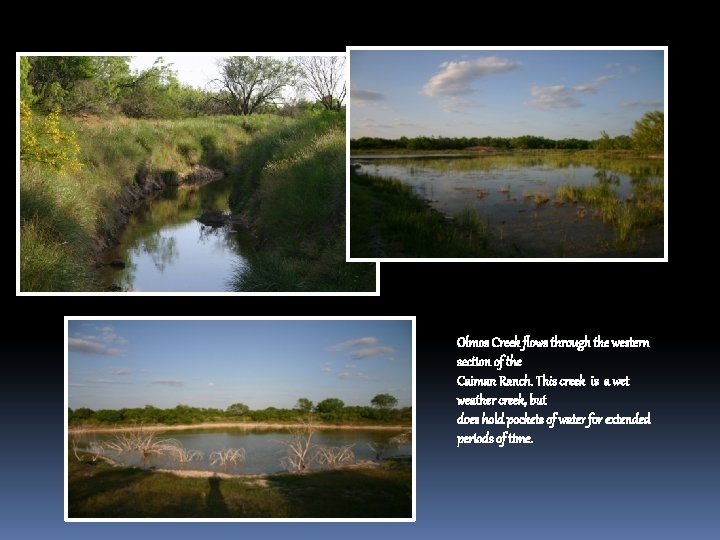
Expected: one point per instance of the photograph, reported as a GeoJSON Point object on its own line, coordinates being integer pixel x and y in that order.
{"type": "Point", "coordinates": [508, 154]}
{"type": "Point", "coordinates": [287, 419]}
{"type": "Point", "coordinates": [184, 173]}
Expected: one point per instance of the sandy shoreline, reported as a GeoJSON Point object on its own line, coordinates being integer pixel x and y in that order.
{"type": "Point", "coordinates": [239, 425]}
{"type": "Point", "coordinates": [259, 477]}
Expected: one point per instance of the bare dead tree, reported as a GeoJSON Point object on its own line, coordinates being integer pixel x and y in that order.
{"type": "Point", "coordinates": [324, 77]}
{"type": "Point", "coordinates": [181, 454]}
{"type": "Point", "coordinates": [75, 449]}
{"type": "Point", "coordinates": [227, 456]}
{"type": "Point", "coordinates": [393, 442]}
{"type": "Point", "coordinates": [144, 442]}
{"type": "Point", "coordinates": [300, 449]}
{"type": "Point", "coordinates": [97, 450]}
{"type": "Point", "coordinates": [334, 456]}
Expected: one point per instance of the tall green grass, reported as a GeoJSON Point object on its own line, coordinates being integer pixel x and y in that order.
{"type": "Point", "coordinates": [290, 183]}
{"type": "Point", "coordinates": [62, 217]}
{"type": "Point", "coordinates": [389, 220]}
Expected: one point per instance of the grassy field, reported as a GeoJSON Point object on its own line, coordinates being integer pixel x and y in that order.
{"type": "Point", "coordinates": [102, 490]}
{"type": "Point", "coordinates": [388, 220]}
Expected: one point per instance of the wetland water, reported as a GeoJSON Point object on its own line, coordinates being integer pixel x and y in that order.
{"type": "Point", "coordinates": [263, 447]}
{"type": "Point", "coordinates": [165, 248]}
{"type": "Point", "coordinates": [517, 196]}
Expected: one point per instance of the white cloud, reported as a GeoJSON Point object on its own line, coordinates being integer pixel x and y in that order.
{"type": "Point", "coordinates": [168, 382]}
{"type": "Point", "coordinates": [552, 97]}
{"type": "Point", "coordinates": [87, 346]}
{"type": "Point", "coordinates": [211, 384]}
{"type": "Point", "coordinates": [563, 97]}
{"type": "Point", "coordinates": [120, 371]}
{"type": "Point", "coordinates": [633, 69]}
{"type": "Point", "coordinates": [352, 343]}
{"type": "Point", "coordinates": [594, 86]}
{"type": "Point", "coordinates": [326, 367]}
{"type": "Point", "coordinates": [97, 344]}
{"type": "Point", "coordinates": [456, 77]}
{"type": "Point", "coordinates": [374, 351]}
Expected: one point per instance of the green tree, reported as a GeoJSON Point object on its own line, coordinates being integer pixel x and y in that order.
{"type": "Point", "coordinates": [648, 135]}
{"type": "Point", "coordinates": [304, 405]}
{"type": "Point", "coordinates": [384, 401]}
{"type": "Point", "coordinates": [247, 83]}
{"type": "Point", "coordinates": [100, 93]}
{"type": "Point", "coordinates": [152, 93]}
{"type": "Point", "coordinates": [604, 142]}
{"type": "Point", "coordinates": [26, 89]}
{"type": "Point", "coordinates": [237, 409]}
{"type": "Point", "coordinates": [54, 77]}
{"type": "Point", "coordinates": [330, 406]}
{"type": "Point", "coordinates": [81, 414]}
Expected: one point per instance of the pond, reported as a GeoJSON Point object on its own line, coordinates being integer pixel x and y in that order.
{"type": "Point", "coordinates": [264, 448]}
{"type": "Point", "coordinates": [545, 205]}
{"type": "Point", "coordinates": [165, 248]}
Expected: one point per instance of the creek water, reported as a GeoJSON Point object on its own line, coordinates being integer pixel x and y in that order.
{"type": "Point", "coordinates": [165, 248]}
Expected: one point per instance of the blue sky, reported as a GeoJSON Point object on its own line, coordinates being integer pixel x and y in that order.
{"type": "Point", "coordinates": [456, 93]}
{"type": "Point", "coordinates": [115, 364]}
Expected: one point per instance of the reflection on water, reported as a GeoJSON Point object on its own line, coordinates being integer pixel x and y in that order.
{"type": "Point", "coordinates": [165, 248]}
{"type": "Point", "coordinates": [517, 196]}
{"type": "Point", "coordinates": [263, 448]}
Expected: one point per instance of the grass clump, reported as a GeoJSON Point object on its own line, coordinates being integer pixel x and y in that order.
{"type": "Point", "coordinates": [642, 209]}
{"type": "Point", "coordinates": [389, 220]}
{"type": "Point", "coordinates": [291, 186]}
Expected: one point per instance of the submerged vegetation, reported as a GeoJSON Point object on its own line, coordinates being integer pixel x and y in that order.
{"type": "Point", "coordinates": [643, 208]}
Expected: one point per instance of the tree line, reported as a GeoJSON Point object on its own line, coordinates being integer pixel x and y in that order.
{"type": "Point", "coordinates": [332, 410]}
{"type": "Point", "coordinates": [100, 85]}
{"type": "Point", "coordinates": [647, 136]}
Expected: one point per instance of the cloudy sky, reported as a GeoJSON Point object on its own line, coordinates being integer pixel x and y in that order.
{"type": "Point", "coordinates": [120, 363]}
{"type": "Point", "coordinates": [454, 93]}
